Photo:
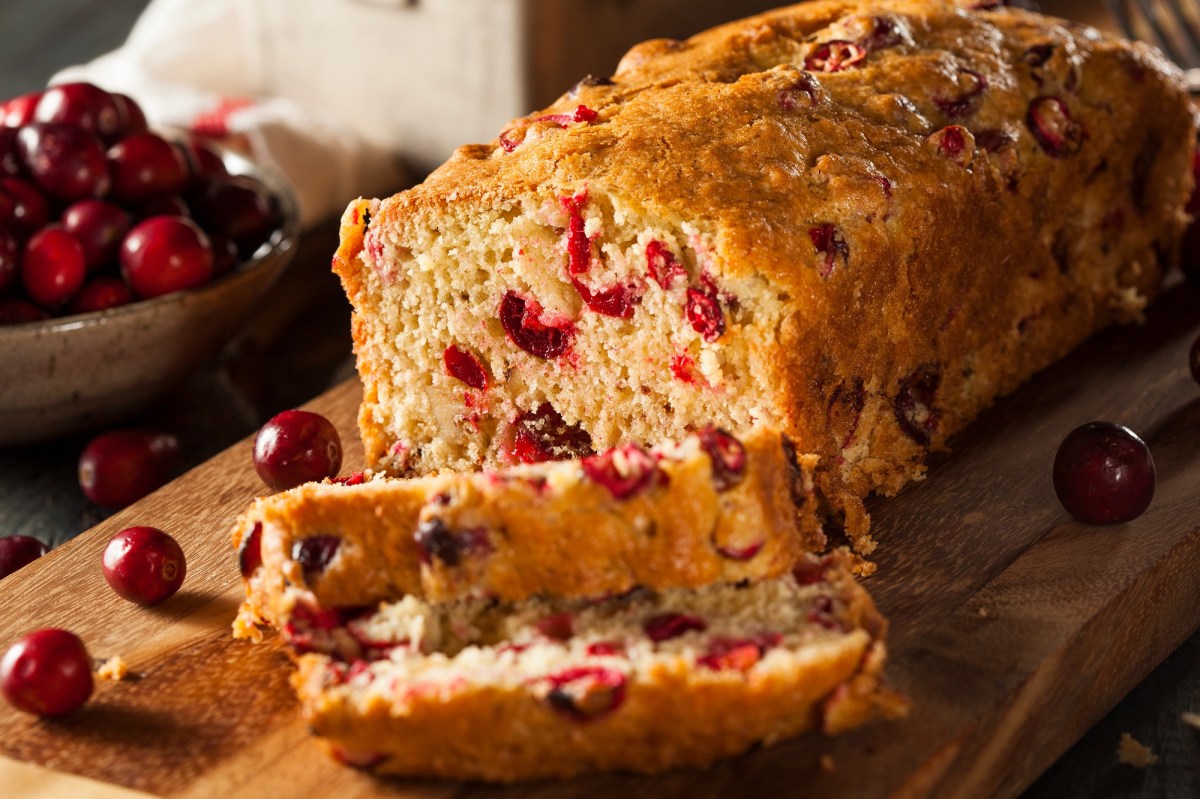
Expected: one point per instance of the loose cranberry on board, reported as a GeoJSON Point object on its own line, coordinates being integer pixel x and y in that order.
{"type": "Point", "coordinates": [296, 447]}
{"type": "Point", "coordinates": [46, 673]}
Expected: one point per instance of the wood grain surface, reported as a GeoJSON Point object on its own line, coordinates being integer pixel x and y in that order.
{"type": "Point", "coordinates": [1014, 628]}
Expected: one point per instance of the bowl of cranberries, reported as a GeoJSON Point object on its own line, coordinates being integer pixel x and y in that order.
{"type": "Point", "coordinates": [128, 257]}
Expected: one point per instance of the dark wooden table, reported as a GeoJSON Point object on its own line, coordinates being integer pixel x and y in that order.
{"type": "Point", "coordinates": [299, 345]}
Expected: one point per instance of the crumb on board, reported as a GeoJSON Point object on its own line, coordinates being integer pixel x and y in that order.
{"type": "Point", "coordinates": [861, 566]}
{"type": "Point", "coordinates": [1133, 753]}
{"type": "Point", "coordinates": [1191, 719]}
{"type": "Point", "coordinates": [984, 613]}
{"type": "Point", "coordinates": [826, 763]}
{"type": "Point", "coordinates": [112, 669]}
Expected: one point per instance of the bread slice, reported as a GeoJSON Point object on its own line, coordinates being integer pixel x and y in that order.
{"type": "Point", "coordinates": [857, 222]}
{"type": "Point", "coordinates": [644, 681]}
{"type": "Point", "coordinates": [711, 508]}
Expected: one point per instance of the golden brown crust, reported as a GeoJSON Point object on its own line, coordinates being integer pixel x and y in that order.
{"type": "Point", "coordinates": [962, 266]}
{"type": "Point", "coordinates": [542, 529]}
{"type": "Point", "coordinates": [674, 713]}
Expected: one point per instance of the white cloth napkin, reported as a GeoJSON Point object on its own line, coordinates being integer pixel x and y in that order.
{"type": "Point", "coordinates": [201, 66]}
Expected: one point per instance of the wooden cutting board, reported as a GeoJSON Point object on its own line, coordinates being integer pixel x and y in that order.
{"type": "Point", "coordinates": [1014, 628]}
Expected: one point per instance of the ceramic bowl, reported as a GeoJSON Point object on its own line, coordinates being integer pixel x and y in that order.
{"type": "Point", "coordinates": [77, 372]}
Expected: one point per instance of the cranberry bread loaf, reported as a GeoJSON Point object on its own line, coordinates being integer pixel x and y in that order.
{"type": "Point", "coordinates": [711, 508]}
{"type": "Point", "coordinates": [860, 222]}
{"type": "Point", "coordinates": [554, 687]}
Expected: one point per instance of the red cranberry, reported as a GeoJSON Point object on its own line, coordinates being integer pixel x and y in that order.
{"type": "Point", "coordinates": [666, 626]}
{"type": "Point", "coordinates": [165, 254]}
{"type": "Point", "coordinates": [29, 211]}
{"type": "Point", "coordinates": [100, 294]}
{"type": "Point", "coordinates": [1052, 125]}
{"type": "Point", "coordinates": [465, 366]}
{"type": "Point", "coordinates": [144, 166]}
{"type": "Point", "coordinates": [579, 246]}
{"type": "Point", "coordinates": [543, 435]}
{"type": "Point", "coordinates": [237, 206]}
{"type": "Point", "coordinates": [10, 159]}
{"type": "Point", "coordinates": [624, 470]}
{"type": "Point", "coordinates": [1104, 474]}
{"type": "Point", "coordinates": [435, 540]}
{"type": "Point", "coordinates": [884, 32]}
{"type": "Point", "coordinates": [727, 454]}
{"type": "Point", "coordinates": [10, 259]}
{"type": "Point", "coordinates": [731, 653]}
{"type": "Point", "coordinates": [144, 565]}
{"type": "Point", "coordinates": [52, 267]}
{"type": "Point", "coordinates": [17, 551]}
{"type": "Point", "coordinates": [662, 266]}
{"type": "Point", "coordinates": [509, 144]}
{"type": "Point", "coordinates": [740, 553]}
{"type": "Point", "coordinates": [225, 254]}
{"type": "Point", "coordinates": [308, 628]}
{"type": "Point", "coordinates": [834, 56]}
{"type": "Point", "coordinates": [66, 162]}
{"type": "Point", "coordinates": [18, 111]}
{"type": "Point", "coordinates": [19, 312]}
{"type": "Point", "coordinates": [681, 366]}
{"type": "Point", "coordinates": [602, 648]}
{"type": "Point", "coordinates": [120, 467]}
{"type": "Point", "coordinates": [353, 479]}
{"type": "Point", "coordinates": [81, 105]}
{"type": "Point", "coordinates": [167, 205]}
{"type": "Point", "coordinates": [703, 310]}
{"type": "Point", "coordinates": [354, 759]}
{"type": "Point", "coordinates": [914, 404]}
{"type": "Point", "coordinates": [580, 114]}
{"type": "Point", "coordinates": [297, 447]}
{"type": "Point", "coordinates": [47, 673]}
{"type": "Point", "coordinates": [831, 244]}
{"type": "Point", "coordinates": [586, 693]}
{"type": "Point", "coordinates": [99, 227]}
{"type": "Point", "coordinates": [203, 161]}
{"type": "Point", "coordinates": [617, 301]}
{"type": "Point", "coordinates": [966, 103]}
{"type": "Point", "coordinates": [951, 143]}
{"type": "Point", "coordinates": [314, 554]}
{"type": "Point", "coordinates": [810, 570]}
{"type": "Point", "coordinates": [805, 91]}
{"type": "Point", "coordinates": [557, 626]}
{"type": "Point", "coordinates": [133, 119]}
{"type": "Point", "coordinates": [822, 614]}
{"type": "Point", "coordinates": [250, 551]}
{"type": "Point", "coordinates": [519, 318]}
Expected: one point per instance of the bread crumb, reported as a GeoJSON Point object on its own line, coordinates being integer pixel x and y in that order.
{"type": "Point", "coordinates": [984, 613]}
{"type": "Point", "coordinates": [112, 669]}
{"type": "Point", "coordinates": [1133, 753]}
{"type": "Point", "coordinates": [861, 566]}
{"type": "Point", "coordinates": [1191, 719]}
{"type": "Point", "coordinates": [827, 764]}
